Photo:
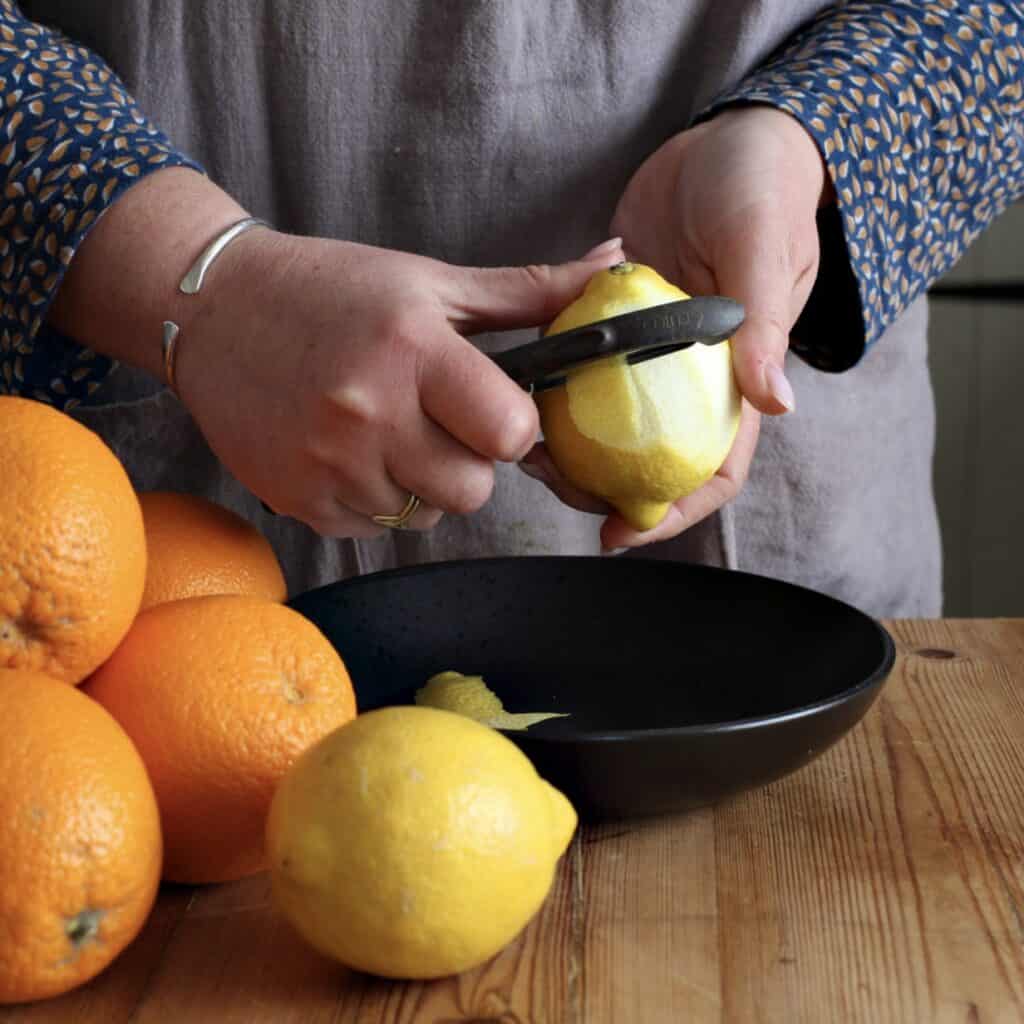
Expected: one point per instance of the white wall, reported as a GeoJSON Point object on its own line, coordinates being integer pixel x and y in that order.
{"type": "Point", "coordinates": [977, 360]}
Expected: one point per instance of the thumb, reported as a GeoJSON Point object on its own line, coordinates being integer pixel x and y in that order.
{"type": "Point", "coordinates": [503, 298]}
{"type": "Point", "coordinates": [761, 268]}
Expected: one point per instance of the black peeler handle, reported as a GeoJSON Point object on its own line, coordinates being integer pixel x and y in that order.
{"type": "Point", "coordinates": [537, 360]}
{"type": "Point", "coordinates": [640, 335]}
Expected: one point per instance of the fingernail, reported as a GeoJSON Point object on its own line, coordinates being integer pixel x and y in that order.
{"type": "Point", "coordinates": [612, 552]}
{"type": "Point", "coordinates": [779, 387]}
{"type": "Point", "coordinates": [604, 248]}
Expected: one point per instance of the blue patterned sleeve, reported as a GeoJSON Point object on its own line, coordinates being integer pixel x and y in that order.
{"type": "Point", "coordinates": [71, 142]}
{"type": "Point", "coordinates": [917, 109]}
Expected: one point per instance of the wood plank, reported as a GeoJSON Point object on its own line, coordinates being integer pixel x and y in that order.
{"type": "Point", "coordinates": [651, 928]}
{"type": "Point", "coordinates": [221, 955]}
{"type": "Point", "coordinates": [884, 882]}
{"type": "Point", "coordinates": [241, 961]}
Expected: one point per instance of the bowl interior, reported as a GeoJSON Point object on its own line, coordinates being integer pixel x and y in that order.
{"type": "Point", "coordinates": [622, 645]}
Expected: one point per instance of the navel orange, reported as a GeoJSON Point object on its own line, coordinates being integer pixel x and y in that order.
{"type": "Point", "coordinates": [79, 838]}
{"type": "Point", "coordinates": [72, 545]}
{"type": "Point", "coordinates": [196, 547]}
{"type": "Point", "coordinates": [221, 694]}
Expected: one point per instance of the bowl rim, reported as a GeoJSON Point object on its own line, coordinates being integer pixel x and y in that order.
{"type": "Point", "coordinates": [751, 723]}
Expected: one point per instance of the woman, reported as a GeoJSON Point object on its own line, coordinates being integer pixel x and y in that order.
{"type": "Point", "coordinates": [322, 366]}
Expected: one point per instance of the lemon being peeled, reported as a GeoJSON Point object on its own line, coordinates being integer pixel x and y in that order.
{"type": "Point", "coordinates": [640, 436]}
{"type": "Point", "coordinates": [414, 843]}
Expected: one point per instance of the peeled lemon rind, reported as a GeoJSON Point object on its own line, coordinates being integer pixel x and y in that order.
{"type": "Point", "coordinates": [471, 697]}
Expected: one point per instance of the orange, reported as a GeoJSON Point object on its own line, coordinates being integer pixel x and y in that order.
{"type": "Point", "coordinates": [72, 545]}
{"type": "Point", "coordinates": [79, 838]}
{"type": "Point", "coordinates": [196, 547]}
{"type": "Point", "coordinates": [221, 694]}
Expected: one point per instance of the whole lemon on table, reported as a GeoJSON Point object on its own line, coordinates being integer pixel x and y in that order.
{"type": "Point", "coordinates": [414, 843]}
{"type": "Point", "coordinates": [640, 436]}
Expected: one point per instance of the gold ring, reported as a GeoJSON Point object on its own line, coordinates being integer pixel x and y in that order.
{"type": "Point", "coordinates": [399, 522]}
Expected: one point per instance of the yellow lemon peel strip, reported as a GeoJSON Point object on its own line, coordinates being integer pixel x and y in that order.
{"type": "Point", "coordinates": [470, 696]}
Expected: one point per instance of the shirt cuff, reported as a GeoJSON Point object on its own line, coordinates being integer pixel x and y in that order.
{"type": "Point", "coordinates": [915, 107]}
{"type": "Point", "coordinates": [74, 144]}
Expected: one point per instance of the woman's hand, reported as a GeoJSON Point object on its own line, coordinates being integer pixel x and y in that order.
{"type": "Point", "coordinates": [333, 379]}
{"type": "Point", "coordinates": [727, 208]}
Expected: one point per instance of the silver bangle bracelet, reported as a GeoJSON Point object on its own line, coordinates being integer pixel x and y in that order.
{"type": "Point", "coordinates": [193, 281]}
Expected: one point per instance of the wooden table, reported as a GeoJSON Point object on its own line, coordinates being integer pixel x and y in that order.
{"type": "Point", "coordinates": [883, 883]}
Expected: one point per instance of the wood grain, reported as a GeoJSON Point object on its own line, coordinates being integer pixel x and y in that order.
{"type": "Point", "coordinates": [882, 883]}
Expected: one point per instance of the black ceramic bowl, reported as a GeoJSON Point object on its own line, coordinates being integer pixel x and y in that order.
{"type": "Point", "coordinates": [683, 683]}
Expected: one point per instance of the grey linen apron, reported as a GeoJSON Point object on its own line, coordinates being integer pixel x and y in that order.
{"type": "Point", "coordinates": [493, 133]}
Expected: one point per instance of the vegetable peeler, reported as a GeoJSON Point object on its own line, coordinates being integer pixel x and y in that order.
{"type": "Point", "coordinates": [640, 335]}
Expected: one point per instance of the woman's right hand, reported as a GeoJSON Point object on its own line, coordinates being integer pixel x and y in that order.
{"type": "Point", "coordinates": [334, 379]}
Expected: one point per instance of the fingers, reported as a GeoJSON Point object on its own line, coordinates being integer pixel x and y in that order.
{"type": "Point", "coordinates": [718, 491]}
{"type": "Point", "coordinates": [341, 506]}
{"type": "Point", "coordinates": [446, 475]}
{"type": "Point", "coordinates": [769, 265]}
{"type": "Point", "coordinates": [463, 390]}
{"type": "Point", "coordinates": [414, 457]}
{"type": "Point", "coordinates": [537, 463]}
{"type": "Point", "coordinates": [499, 298]}
{"type": "Point", "coordinates": [468, 396]}
{"type": "Point", "coordinates": [333, 517]}
{"type": "Point", "coordinates": [616, 533]}
{"type": "Point", "coordinates": [409, 406]}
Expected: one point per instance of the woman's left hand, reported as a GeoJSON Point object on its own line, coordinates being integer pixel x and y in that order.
{"type": "Point", "coordinates": [726, 208]}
